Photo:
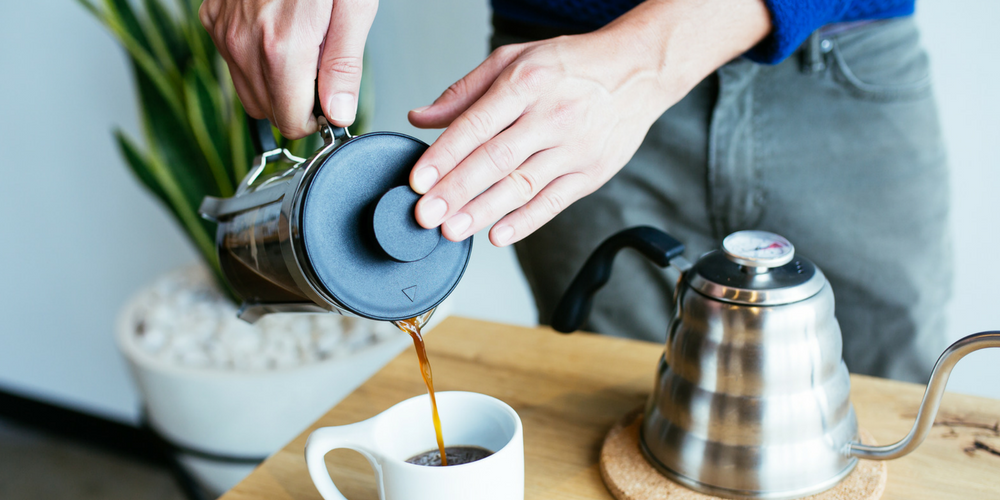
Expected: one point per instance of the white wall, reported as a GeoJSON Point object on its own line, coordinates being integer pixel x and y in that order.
{"type": "Point", "coordinates": [80, 235]}
{"type": "Point", "coordinates": [961, 37]}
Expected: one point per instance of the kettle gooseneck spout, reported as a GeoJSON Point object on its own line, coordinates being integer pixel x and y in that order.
{"type": "Point", "coordinates": [932, 399]}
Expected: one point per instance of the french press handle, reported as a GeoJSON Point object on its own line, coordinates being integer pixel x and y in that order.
{"type": "Point", "coordinates": [263, 137]}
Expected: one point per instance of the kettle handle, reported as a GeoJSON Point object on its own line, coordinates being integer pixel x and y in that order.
{"type": "Point", "coordinates": [575, 304]}
{"type": "Point", "coordinates": [932, 399]}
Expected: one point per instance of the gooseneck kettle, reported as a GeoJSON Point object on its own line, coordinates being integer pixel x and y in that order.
{"type": "Point", "coordinates": [751, 396]}
{"type": "Point", "coordinates": [333, 232]}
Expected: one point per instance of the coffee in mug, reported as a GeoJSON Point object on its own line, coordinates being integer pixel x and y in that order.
{"type": "Point", "coordinates": [454, 455]}
{"type": "Point", "coordinates": [404, 432]}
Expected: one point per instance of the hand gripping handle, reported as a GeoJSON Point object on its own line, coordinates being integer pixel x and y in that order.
{"type": "Point", "coordinates": [574, 307]}
{"type": "Point", "coordinates": [263, 137]}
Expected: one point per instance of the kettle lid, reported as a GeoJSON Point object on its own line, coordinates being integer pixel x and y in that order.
{"type": "Point", "coordinates": [756, 268]}
{"type": "Point", "coordinates": [361, 239]}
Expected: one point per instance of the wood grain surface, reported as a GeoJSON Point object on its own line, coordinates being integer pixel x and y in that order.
{"type": "Point", "coordinates": [570, 389]}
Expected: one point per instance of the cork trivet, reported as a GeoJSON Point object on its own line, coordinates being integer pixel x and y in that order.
{"type": "Point", "coordinates": [629, 476]}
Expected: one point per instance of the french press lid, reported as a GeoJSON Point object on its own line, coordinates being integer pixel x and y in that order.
{"type": "Point", "coordinates": [360, 236]}
{"type": "Point", "coordinates": [756, 268]}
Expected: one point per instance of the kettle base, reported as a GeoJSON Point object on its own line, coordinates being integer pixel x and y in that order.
{"type": "Point", "coordinates": [630, 474]}
{"type": "Point", "coordinates": [708, 489]}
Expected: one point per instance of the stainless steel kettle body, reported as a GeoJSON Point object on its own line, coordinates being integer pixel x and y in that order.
{"type": "Point", "coordinates": [759, 388]}
{"type": "Point", "coordinates": [751, 397]}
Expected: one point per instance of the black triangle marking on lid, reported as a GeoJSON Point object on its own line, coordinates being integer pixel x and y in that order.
{"type": "Point", "coordinates": [410, 292]}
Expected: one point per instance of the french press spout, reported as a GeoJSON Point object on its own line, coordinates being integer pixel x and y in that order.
{"type": "Point", "coordinates": [333, 232]}
{"type": "Point", "coordinates": [752, 397]}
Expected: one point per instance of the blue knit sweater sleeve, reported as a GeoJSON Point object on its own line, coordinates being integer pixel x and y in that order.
{"type": "Point", "coordinates": [793, 20]}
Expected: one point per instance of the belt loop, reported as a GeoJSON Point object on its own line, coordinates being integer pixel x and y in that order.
{"type": "Point", "coordinates": [812, 54]}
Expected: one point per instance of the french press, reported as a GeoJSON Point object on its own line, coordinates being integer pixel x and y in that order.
{"type": "Point", "coordinates": [751, 397]}
{"type": "Point", "coordinates": [334, 232]}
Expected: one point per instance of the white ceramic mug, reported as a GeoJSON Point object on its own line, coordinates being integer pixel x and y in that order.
{"type": "Point", "coordinates": [388, 439]}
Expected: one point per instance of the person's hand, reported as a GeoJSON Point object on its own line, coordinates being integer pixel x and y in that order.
{"type": "Point", "coordinates": [539, 125]}
{"type": "Point", "coordinates": [277, 49]}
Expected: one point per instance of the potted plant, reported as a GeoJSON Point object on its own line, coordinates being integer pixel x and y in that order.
{"type": "Point", "coordinates": [222, 392]}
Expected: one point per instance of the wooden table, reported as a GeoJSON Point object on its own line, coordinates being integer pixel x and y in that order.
{"type": "Point", "coordinates": [570, 389]}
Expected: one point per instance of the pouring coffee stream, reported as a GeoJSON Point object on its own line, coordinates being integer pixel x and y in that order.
{"type": "Point", "coordinates": [412, 327]}
{"type": "Point", "coordinates": [751, 398]}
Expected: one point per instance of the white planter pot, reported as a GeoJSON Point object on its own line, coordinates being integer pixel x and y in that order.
{"type": "Point", "coordinates": [241, 413]}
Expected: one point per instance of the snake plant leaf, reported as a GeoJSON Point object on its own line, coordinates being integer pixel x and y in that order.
{"type": "Point", "coordinates": [137, 162]}
{"type": "Point", "coordinates": [175, 190]}
{"type": "Point", "coordinates": [197, 229]}
{"type": "Point", "coordinates": [138, 48]}
{"type": "Point", "coordinates": [174, 144]}
{"type": "Point", "coordinates": [122, 12]}
{"type": "Point", "coordinates": [204, 106]}
{"type": "Point", "coordinates": [153, 177]}
{"type": "Point", "coordinates": [168, 29]}
{"type": "Point", "coordinates": [162, 37]}
{"type": "Point", "coordinates": [242, 146]}
{"type": "Point", "coordinates": [87, 4]}
{"type": "Point", "coordinates": [144, 171]}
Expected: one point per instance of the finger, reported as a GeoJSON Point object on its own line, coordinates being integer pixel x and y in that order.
{"type": "Point", "coordinates": [208, 14]}
{"type": "Point", "coordinates": [232, 45]}
{"type": "Point", "coordinates": [460, 95]}
{"type": "Point", "coordinates": [488, 164]}
{"type": "Point", "coordinates": [480, 123]}
{"type": "Point", "coordinates": [341, 61]}
{"type": "Point", "coordinates": [246, 95]}
{"type": "Point", "coordinates": [254, 89]}
{"type": "Point", "coordinates": [551, 200]}
{"type": "Point", "coordinates": [510, 193]}
{"type": "Point", "coordinates": [289, 74]}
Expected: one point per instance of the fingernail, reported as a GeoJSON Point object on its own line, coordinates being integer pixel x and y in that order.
{"type": "Point", "coordinates": [458, 223]}
{"type": "Point", "coordinates": [424, 179]}
{"type": "Point", "coordinates": [342, 107]}
{"type": "Point", "coordinates": [503, 234]}
{"type": "Point", "coordinates": [432, 210]}
{"type": "Point", "coordinates": [421, 109]}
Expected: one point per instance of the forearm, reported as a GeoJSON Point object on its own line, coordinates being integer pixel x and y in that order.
{"type": "Point", "coordinates": [683, 41]}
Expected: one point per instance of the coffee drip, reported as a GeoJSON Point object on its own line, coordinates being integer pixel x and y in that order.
{"type": "Point", "coordinates": [413, 326]}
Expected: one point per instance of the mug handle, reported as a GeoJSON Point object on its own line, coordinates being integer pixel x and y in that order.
{"type": "Point", "coordinates": [357, 437]}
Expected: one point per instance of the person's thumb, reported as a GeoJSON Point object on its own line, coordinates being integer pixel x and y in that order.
{"type": "Point", "coordinates": [341, 61]}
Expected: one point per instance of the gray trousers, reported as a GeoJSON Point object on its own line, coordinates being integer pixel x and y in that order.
{"type": "Point", "coordinates": [837, 148]}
